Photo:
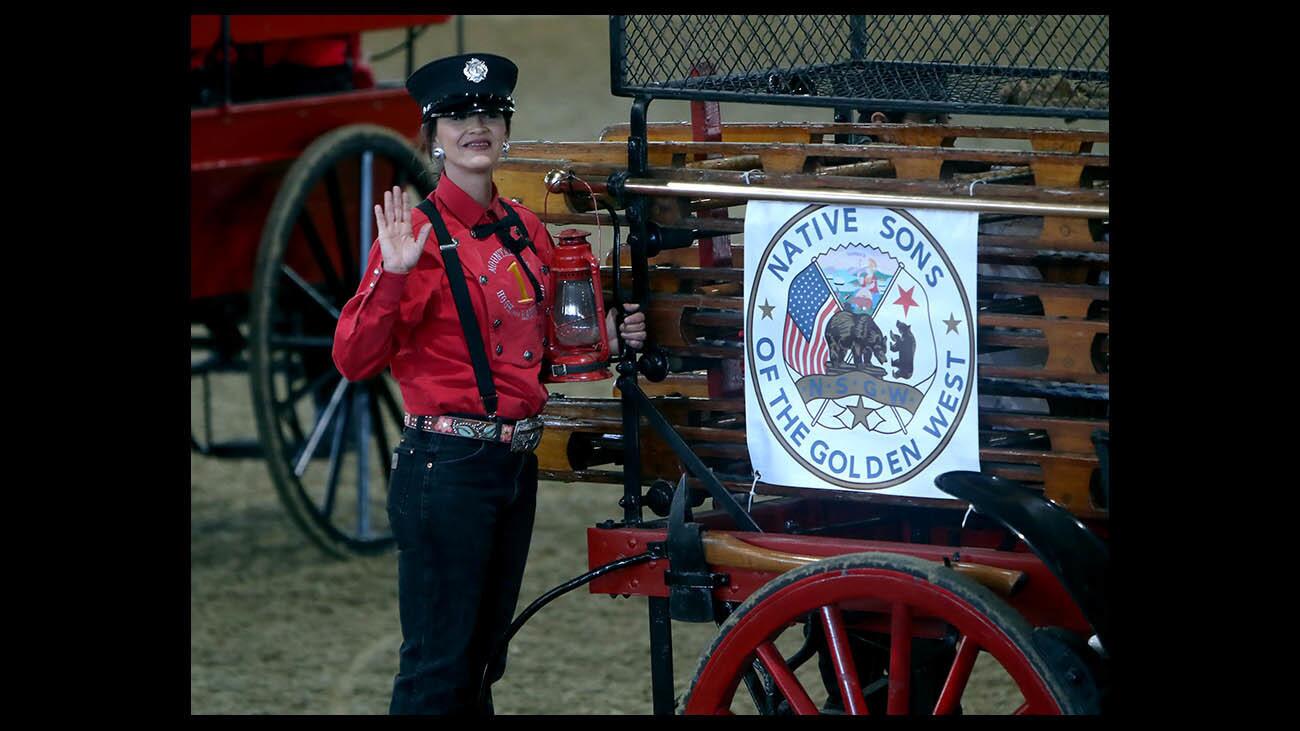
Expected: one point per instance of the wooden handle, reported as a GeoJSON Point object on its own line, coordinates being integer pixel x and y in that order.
{"type": "Point", "coordinates": [726, 550]}
{"type": "Point", "coordinates": [1003, 581]}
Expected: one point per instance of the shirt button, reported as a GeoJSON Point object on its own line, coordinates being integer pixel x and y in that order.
{"type": "Point", "coordinates": [376, 270]}
{"type": "Point", "coordinates": [528, 355]}
{"type": "Point", "coordinates": [546, 269]}
{"type": "Point", "coordinates": [498, 349]}
{"type": "Point", "coordinates": [496, 323]}
{"type": "Point", "coordinates": [482, 279]}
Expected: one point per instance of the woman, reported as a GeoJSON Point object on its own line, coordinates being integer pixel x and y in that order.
{"type": "Point", "coordinates": [466, 349]}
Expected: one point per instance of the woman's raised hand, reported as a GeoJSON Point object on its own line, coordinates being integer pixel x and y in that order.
{"type": "Point", "coordinates": [401, 250]}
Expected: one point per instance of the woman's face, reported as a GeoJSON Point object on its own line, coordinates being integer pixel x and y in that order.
{"type": "Point", "coordinates": [472, 143]}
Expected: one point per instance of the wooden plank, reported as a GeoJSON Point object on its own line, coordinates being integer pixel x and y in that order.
{"type": "Point", "coordinates": [1044, 241]}
{"type": "Point", "coordinates": [859, 169]}
{"type": "Point", "coordinates": [777, 132]}
{"type": "Point", "coordinates": [1008, 285]}
{"type": "Point", "coordinates": [739, 162]}
{"type": "Point", "coordinates": [1065, 434]}
{"type": "Point", "coordinates": [1042, 323]}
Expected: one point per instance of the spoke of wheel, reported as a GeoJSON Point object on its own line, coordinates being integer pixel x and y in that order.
{"type": "Point", "coordinates": [336, 449]}
{"type": "Point", "coordinates": [317, 247]}
{"type": "Point", "coordinates": [288, 416]}
{"type": "Point", "coordinates": [367, 181]}
{"type": "Point", "coordinates": [808, 650]}
{"type": "Point", "coordinates": [310, 388]}
{"type": "Point", "coordinates": [362, 410]}
{"type": "Point", "coordinates": [316, 433]}
{"type": "Point", "coordinates": [757, 692]}
{"type": "Point", "coordinates": [846, 670]}
{"type": "Point", "coordinates": [311, 291]}
{"type": "Point", "coordinates": [900, 660]}
{"type": "Point", "coordinates": [340, 218]}
{"type": "Point", "coordinates": [955, 685]}
{"type": "Point", "coordinates": [785, 680]}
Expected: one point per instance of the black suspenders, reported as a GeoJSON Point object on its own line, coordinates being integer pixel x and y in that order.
{"type": "Point", "coordinates": [464, 308]}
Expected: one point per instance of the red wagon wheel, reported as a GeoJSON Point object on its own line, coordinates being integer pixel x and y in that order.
{"type": "Point", "coordinates": [889, 596]}
{"type": "Point", "coordinates": [328, 442]}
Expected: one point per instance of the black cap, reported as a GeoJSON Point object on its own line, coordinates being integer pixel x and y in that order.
{"type": "Point", "coordinates": [474, 82]}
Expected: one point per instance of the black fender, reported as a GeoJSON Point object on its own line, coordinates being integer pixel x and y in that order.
{"type": "Point", "coordinates": [690, 583]}
{"type": "Point", "coordinates": [1077, 557]}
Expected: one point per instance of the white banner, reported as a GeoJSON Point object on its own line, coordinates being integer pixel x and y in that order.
{"type": "Point", "coordinates": [860, 346]}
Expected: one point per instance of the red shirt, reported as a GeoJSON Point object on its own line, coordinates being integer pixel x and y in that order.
{"type": "Point", "coordinates": [409, 320]}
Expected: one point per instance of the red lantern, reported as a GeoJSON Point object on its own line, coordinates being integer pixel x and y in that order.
{"type": "Point", "coordinates": [577, 348]}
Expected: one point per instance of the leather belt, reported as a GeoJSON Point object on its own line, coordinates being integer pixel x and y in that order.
{"type": "Point", "coordinates": [522, 435]}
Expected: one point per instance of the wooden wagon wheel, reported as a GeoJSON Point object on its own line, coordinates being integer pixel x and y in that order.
{"type": "Point", "coordinates": [328, 442]}
{"type": "Point", "coordinates": [885, 596]}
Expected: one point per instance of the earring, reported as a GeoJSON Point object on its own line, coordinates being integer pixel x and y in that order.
{"type": "Point", "coordinates": [439, 153]}
{"type": "Point", "coordinates": [505, 148]}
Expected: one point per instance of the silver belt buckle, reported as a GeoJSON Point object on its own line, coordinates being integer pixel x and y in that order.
{"type": "Point", "coordinates": [527, 435]}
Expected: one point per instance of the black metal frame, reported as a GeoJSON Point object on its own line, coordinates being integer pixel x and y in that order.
{"type": "Point", "coordinates": [636, 403]}
{"type": "Point", "coordinates": [927, 64]}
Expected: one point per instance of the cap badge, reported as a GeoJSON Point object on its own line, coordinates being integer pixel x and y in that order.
{"type": "Point", "coordinates": [475, 70]}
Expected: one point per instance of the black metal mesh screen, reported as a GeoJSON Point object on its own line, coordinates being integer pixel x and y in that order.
{"type": "Point", "coordinates": [1037, 65]}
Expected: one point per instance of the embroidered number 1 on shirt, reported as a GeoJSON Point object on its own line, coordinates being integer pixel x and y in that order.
{"type": "Point", "coordinates": [523, 291]}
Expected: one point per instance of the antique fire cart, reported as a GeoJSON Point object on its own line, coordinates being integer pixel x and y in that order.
{"type": "Point", "coordinates": [901, 601]}
{"type": "Point", "coordinates": [290, 140]}
{"type": "Point", "coordinates": [898, 599]}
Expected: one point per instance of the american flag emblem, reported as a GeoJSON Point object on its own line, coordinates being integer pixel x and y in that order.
{"type": "Point", "coordinates": [811, 305]}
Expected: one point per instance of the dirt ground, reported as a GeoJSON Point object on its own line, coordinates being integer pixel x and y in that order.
{"type": "Point", "coordinates": [278, 628]}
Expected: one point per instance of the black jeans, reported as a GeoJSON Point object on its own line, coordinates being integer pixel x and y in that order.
{"type": "Point", "coordinates": [462, 513]}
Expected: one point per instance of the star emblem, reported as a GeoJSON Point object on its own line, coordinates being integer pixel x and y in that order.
{"type": "Point", "coordinates": [860, 414]}
{"type": "Point", "coordinates": [905, 299]}
{"type": "Point", "coordinates": [767, 308]}
{"type": "Point", "coordinates": [951, 323]}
